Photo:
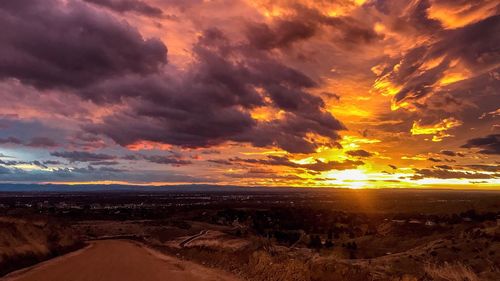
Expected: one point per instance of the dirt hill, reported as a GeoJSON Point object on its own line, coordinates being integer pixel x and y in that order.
{"type": "Point", "coordinates": [24, 242]}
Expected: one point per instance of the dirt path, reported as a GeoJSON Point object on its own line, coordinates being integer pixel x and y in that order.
{"type": "Point", "coordinates": [121, 260]}
{"type": "Point", "coordinates": [185, 242]}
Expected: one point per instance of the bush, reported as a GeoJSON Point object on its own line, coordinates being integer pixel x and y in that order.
{"type": "Point", "coordinates": [450, 272]}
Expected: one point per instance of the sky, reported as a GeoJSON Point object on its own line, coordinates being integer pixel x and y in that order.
{"type": "Point", "coordinates": [341, 93]}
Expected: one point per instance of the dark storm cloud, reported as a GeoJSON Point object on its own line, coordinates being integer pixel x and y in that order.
{"type": "Point", "coordinates": [359, 153]}
{"type": "Point", "coordinates": [136, 6]}
{"type": "Point", "coordinates": [108, 62]}
{"type": "Point", "coordinates": [318, 165]}
{"type": "Point", "coordinates": [50, 44]}
{"type": "Point", "coordinates": [210, 103]}
{"type": "Point", "coordinates": [486, 145]}
{"type": "Point", "coordinates": [82, 156]}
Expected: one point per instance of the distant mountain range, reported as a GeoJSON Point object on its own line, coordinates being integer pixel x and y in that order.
{"type": "Point", "coordinates": [18, 187]}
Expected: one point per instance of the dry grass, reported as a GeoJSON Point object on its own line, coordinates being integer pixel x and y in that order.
{"type": "Point", "coordinates": [451, 272]}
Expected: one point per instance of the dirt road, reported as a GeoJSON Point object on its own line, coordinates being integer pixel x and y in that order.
{"type": "Point", "coordinates": [122, 260]}
{"type": "Point", "coordinates": [185, 242]}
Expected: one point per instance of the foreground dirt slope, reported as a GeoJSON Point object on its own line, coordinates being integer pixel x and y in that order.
{"type": "Point", "coordinates": [118, 260]}
{"type": "Point", "coordinates": [24, 242]}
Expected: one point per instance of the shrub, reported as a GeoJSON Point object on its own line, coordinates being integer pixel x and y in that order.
{"type": "Point", "coordinates": [450, 272]}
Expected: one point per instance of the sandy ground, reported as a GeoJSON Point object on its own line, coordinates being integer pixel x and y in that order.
{"type": "Point", "coordinates": [111, 260]}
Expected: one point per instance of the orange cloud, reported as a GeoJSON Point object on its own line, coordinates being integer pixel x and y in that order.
{"type": "Point", "coordinates": [437, 130]}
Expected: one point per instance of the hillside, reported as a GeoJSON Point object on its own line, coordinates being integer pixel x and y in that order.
{"type": "Point", "coordinates": [24, 241]}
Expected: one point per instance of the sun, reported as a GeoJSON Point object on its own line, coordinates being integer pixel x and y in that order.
{"type": "Point", "coordinates": [352, 178]}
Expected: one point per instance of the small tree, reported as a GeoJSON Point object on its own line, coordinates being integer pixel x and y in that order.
{"type": "Point", "coordinates": [315, 242]}
{"type": "Point", "coordinates": [329, 244]}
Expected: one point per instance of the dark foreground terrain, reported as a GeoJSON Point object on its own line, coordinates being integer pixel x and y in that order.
{"type": "Point", "coordinates": [250, 234]}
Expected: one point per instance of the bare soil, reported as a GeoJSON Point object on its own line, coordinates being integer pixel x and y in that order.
{"type": "Point", "coordinates": [118, 260]}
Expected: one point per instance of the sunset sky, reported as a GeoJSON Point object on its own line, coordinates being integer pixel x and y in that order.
{"type": "Point", "coordinates": [342, 93]}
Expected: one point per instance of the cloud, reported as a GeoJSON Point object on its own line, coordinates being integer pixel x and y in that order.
{"type": "Point", "coordinates": [10, 162]}
{"type": "Point", "coordinates": [453, 56]}
{"type": "Point", "coordinates": [452, 153]}
{"type": "Point", "coordinates": [444, 167]}
{"type": "Point", "coordinates": [449, 174]}
{"type": "Point", "coordinates": [169, 159]}
{"type": "Point", "coordinates": [359, 153]}
{"type": "Point", "coordinates": [104, 163]}
{"type": "Point", "coordinates": [83, 76]}
{"type": "Point", "coordinates": [486, 145]}
{"type": "Point", "coordinates": [260, 174]}
{"type": "Point", "coordinates": [439, 130]}
{"type": "Point", "coordinates": [82, 156]}
{"type": "Point", "coordinates": [434, 159]}
{"type": "Point", "coordinates": [173, 159]}
{"type": "Point", "coordinates": [304, 23]}
{"type": "Point", "coordinates": [94, 174]}
{"type": "Point", "coordinates": [332, 165]}
{"type": "Point", "coordinates": [317, 165]}
{"type": "Point", "coordinates": [92, 170]}
{"type": "Point", "coordinates": [210, 103]}
{"type": "Point", "coordinates": [10, 140]}
{"type": "Point", "coordinates": [136, 6]}
{"type": "Point", "coordinates": [15, 162]}
{"type": "Point", "coordinates": [37, 142]}
{"type": "Point", "coordinates": [42, 142]}
{"type": "Point", "coordinates": [68, 44]}
{"type": "Point", "coordinates": [454, 14]}
{"type": "Point", "coordinates": [491, 114]}
{"type": "Point", "coordinates": [52, 162]}
{"type": "Point", "coordinates": [487, 168]}
{"type": "Point", "coordinates": [282, 34]}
